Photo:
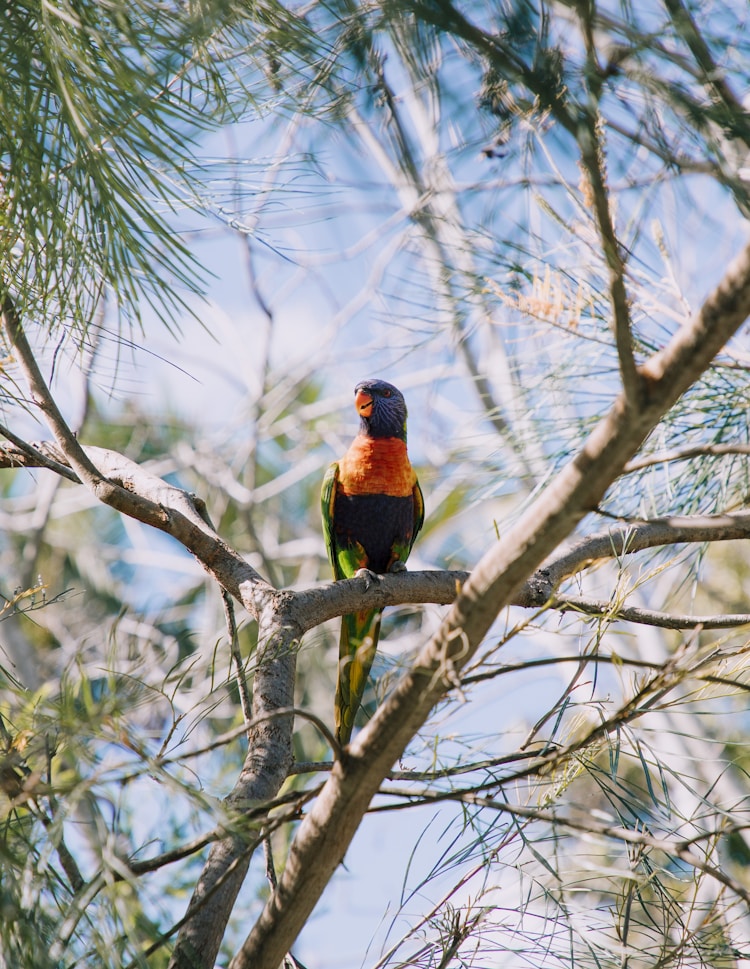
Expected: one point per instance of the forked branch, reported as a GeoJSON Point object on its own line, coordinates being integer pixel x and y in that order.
{"type": "Point", "coordinates": [326, 832]}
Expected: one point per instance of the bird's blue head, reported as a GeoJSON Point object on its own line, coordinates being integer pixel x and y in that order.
{"type": "Point", "coordinates": [381, 408]}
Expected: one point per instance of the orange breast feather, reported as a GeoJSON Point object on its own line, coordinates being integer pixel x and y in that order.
{"type": "Point", "coordinates": [376, 466]}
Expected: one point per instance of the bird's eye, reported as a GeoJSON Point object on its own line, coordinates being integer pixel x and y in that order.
{"type": "Point", "coordinates": [386, 393]}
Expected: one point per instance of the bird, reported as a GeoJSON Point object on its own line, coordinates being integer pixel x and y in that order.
{"type": "Point", "coordinates": [372, 509]}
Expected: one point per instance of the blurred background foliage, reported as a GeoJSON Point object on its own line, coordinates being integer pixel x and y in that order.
{"type": "Point", "coordinates": [214, 220]}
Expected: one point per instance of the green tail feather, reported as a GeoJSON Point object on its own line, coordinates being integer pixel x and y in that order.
{"type": "Point", "coordinates": [357, 647]}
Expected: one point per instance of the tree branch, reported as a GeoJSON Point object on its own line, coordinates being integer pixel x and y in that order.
{"type": "Point", "coordinates": [592, 158]}
{"type": "Point", "coordinates": [647, 617]}
{"type": "Point", "coordinates": [325, 834]}
{"type": "Point", "coordinates": [590, 143]}
{"type": "Point", "coordinates": [684, 454]}
{"type": "Point", "coordinates": [713, 76]}
{"type": "Point", "coordinates": [125, 486]}
{"type": "Point", "coordinates": [637, 536]}
{"type": "Point", "coordinates": [41, 455]}
{"type": "Point", "coordinates": [66, 440]}
{"type": "Point", "coordinates": [307, 608]}
{"type": "Point", "coordinates": [269, 758]}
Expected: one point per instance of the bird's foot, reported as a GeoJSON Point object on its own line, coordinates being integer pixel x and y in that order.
{"type": "Point", "coordinates": [368, 575]}
{"type": "Point", "coordinates": [398, 566]}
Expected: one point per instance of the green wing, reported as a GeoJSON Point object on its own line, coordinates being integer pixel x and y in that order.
{"type": "Point", "coordinates": [327, 499]}
{"type": "Point", "coordinates": [418, 512]}
{"type": "Point", "coordinates": [345, 560]}
{"type": "Point", "coordinates": [400, 550]}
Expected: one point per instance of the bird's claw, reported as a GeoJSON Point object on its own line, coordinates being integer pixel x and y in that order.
{"type": "Point", "coordinates": [367, 574]}
{"type": "Point", "coordinates": [398, 566]}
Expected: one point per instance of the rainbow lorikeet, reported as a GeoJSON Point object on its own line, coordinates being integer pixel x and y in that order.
{"type": "Point", "coordinates": [372, 510]}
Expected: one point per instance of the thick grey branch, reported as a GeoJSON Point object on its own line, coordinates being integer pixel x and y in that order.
{"type": "Point", "coordinates": [150, 499]}
{"type": "Point", "coordinates": [267, 765]}
{"type": "Point", "coordinates": [308, 608]}
{"type": "Point", "coordinates": [135, 492]}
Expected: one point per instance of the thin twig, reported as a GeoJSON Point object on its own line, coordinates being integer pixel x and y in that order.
{"type": "Point", "coordinates": [648, 617]}
{"type": "Point", "coordinates": [713, 76]}
{"type": "Point", "coordinates": [684, 454]}
{"type": "Point", "coordinates": [239, 668]}
{"type": "Point", "coordinates": [592, 159]}
{"type": "Point", "coordinates": [66, 439]}
{"type": "Point", "coordinates": [678, 848]}
{"type": "Point", "coordinates": [270, 866]}
{"type": "Point", "coordinates": [37, 456]}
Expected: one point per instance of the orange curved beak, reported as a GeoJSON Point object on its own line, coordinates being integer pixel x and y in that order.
{"type": "Point", "coordinates": [363, 403]}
